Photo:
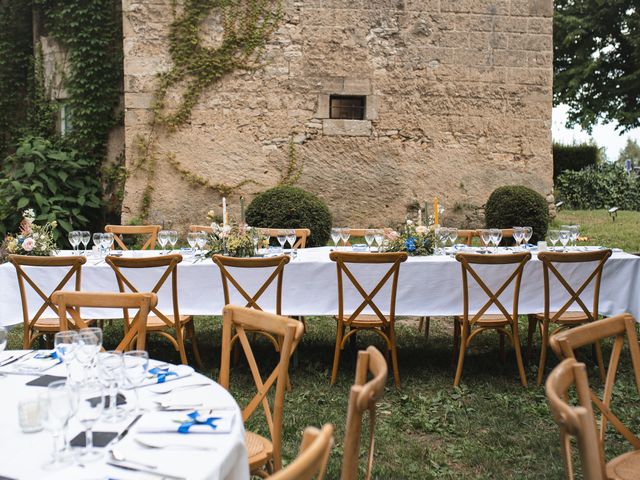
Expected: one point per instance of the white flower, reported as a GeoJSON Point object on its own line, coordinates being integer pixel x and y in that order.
{"type": "Point", "coordinates": [421, 229]}
{"type": "Point", "coordinates": [409, 222]}
{"type": "Point", "coordinates": [29, 214]}
{"type": "Point", "coordinates": [28, 244]}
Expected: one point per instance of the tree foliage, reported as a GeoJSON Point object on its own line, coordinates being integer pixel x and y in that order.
{"type": "Point", "coordinates": [597, 61]}
{"type": "Point", "coordinates": [631, 151]}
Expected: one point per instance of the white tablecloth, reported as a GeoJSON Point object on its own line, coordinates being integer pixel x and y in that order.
{"type": "Point", "coordinates": [22, 456]}
{"type": "Point", "coordinates": [427, 286]}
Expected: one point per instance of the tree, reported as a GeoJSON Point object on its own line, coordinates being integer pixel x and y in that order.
{"type": "Point", "coordinates": [631, 151]}
{"type": "Point", "coordinates": [597, 61]}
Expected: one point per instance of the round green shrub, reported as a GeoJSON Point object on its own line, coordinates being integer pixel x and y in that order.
{"type": "Point", "coordinates": [291, 207]}
{"type": "Point", "coordinates": [515, 205]}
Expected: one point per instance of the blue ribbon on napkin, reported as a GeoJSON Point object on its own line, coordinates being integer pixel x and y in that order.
{"type": "Point", "coordinates": [53, 355]}
{"type": "Point", "coordinates": [162, 373]}
{"type": "Point", "coordinates": [195, 420]}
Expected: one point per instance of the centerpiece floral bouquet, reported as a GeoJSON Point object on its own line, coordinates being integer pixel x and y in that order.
{"type": "Point", "coordinates": [233, 240]}
{"type": "Point", "coordinates": [36, 240]}
{"type": "Point", "coordinates": [415, 240]}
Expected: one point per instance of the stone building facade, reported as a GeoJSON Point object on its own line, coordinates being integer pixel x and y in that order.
{"type": "Point", "coordinates": [457, 98]}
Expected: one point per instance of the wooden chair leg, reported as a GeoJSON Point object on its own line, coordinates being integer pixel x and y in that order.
{"type": "Point", "coordinates": [516, 347]}
{"type": "Point", "coordinates": [598, 350]}
{"type": "Point", "coordinates": [394, 358]}
{"type": "Point", "coordinates": [191, 334]}
{"type": "Point", "coordinates": [336, 354]}
{"type": "Point", "coordinates": [427, 324]}
{"type": "Point", "coordinates": [461, 352]}
{"type": "Point", "coordinates": [544, 343]}
{"type": "Point", "coordinates": [456, 340]}
{"type": "Point", "coordinates": [532, 328]}
{"type": "Point", "coordinates": [420, 323]}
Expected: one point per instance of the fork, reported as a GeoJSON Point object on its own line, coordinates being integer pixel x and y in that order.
{"type": "Point", "coordinates": [180, 387]}
{"type": "Point", "coordinates": [173, 445]}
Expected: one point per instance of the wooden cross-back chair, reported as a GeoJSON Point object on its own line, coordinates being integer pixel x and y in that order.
{"type": "Point", "coordinates": [120, 230]}
{"type": "Point", "coordinates": [201, 228]}
{"type": "Point", "coordinates": [378, 322]}
{"type": "Point", "coordinates": [565, 344]}
{"type": "Point", "coordinates": [313, 456]}
{"type": "Point", "coordinates": [264, 454]}
{"type": "Point", "coordinates": [159, 322]}
{"type": "Point", "coordinates": [302, 234]}
{"type": "Point", "coordinates": [470, 324]}
{"type": "Point", "coordinates": [277, 265]}
{"type": "Point", "coordinates": [579, 421]}
{"type": "Point", "coordinates": [35, 326]}
{"type": "Point", "coordinates": [363, 397]}
{"type": "Point", "coordinates": [467, 236]}
{"type": "Point", "coordinates": [70, 303]}
{"type": "Point", "coordinates": [564, 318]}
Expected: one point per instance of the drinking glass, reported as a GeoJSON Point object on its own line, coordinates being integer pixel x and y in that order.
{"type": "Point", "coordinates": [378, 237]}
{"type": "Point", "coordinates": [554, 236]}
{"type": "Point", "coordinates": [74, 239]}
{"type": "Point", "coordinates": [369, 236]}
{"type": "Point", "coordinates": [496, 237]}
{"type": "Point", "coordinates": [136, 365]}
{"type": "Point", "coordinates": [335, 236]}
{"type": "Point", "coordinates": [88, 344]}
{"type": "Point", "coordinates": [65, 345]}
{"type": "Point", "coordinates": [90, 407]}
{"type": "Point", "coordinates": [85, 238]}
{"type": "Point", "coordinates": [528, 233]}
{"type": "Point", "coordinates": [57, 407]}
{"type": "Point", "coordinates": [107, 242]}
{"type": "Point", "coordinates": [111, 375]}
{"type": "Point", "coordinates": [173, 239]}
{"type": "Point", "coordinates": [565, 235]}
{"type": "Point", "coordinates": [345, 233]}
{"type": "Point", "coordinates": [3, 338]}
{"type": "Point", "coordinates": [442, 235]}
{"type": "Point", "coordinates": [291, 237]}
{"type": "Point", "coordinates": [282, 238]}
{"type": "Point", "coordinates": [485, 238]}
{"type": "Point", "coordinates": [453, 236]}
{"type": "Point", "coordinates": [192, 238]}
{"type": "Point", "coordinates": [518, 236]}
{"type": "Point", "coordinates": [97, 240]}
{"type": "Point", "coordinates": [574, 232]}
{"type": "Point", "coordinates": [163, 238]}
{"type": "Point", "coordinates": [201, 241]}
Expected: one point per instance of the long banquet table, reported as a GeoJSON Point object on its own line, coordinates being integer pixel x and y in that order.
{"type": "Point", "coordinates": [427, 286]}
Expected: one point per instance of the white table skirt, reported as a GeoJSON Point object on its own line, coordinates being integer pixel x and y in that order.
{"type": "Point", "coordinates": [22, 456]}
{"type": "Point", "coordinates": [427, 286]}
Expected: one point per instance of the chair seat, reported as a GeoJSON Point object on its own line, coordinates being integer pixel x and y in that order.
{"type": "Point", "coordinates": [624, 467]}
{"type": "Point", "coordinates": [156, 323]}
{"type": "Point", "coordinates": [490, 320]}
{"type": "Point", "coordinates": [567, 318]}
{"type": "Point", "coordinates": [47, 324]}
{"type": "Point", "coordinates": [259, 450]}
{"type": "Point", "coordinates": [366, 321]}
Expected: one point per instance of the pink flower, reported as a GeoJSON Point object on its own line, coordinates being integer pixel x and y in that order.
{"type": "Point", "coordinates": [28, 244]}
{"type": "Point", "coordinates": [421, 229]}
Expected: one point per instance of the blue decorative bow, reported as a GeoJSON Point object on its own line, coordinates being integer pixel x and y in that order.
{"type": "Point", "coordinates": [53, 355]}
{"type": "Point", "coordinates": [162, 373]}
{"type": "Point", "coordinates": [195, 420]}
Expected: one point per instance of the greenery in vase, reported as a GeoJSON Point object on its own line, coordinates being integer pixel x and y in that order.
{"type": "Point", "coordinates": [415, 240]}
{"type": "Point", "coordinates": [36, 240]}
{"type": "Point", "coordinates": [234, 241]}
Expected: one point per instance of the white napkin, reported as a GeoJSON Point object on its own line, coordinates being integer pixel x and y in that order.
{"type": "Point", "coordinates": [190, 422]}
{"type": "Point", "coordinates": [38, 362]}
{"type": "Point", "coordinates": [166, 373]}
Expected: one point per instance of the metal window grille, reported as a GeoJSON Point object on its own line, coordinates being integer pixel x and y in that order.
{"type": "Point", "coordinates": [347, 107]}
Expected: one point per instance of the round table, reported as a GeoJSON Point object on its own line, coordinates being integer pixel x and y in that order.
{"type": "Point", "coordinates": [23, 455]}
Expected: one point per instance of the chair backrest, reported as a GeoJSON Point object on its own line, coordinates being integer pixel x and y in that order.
{"type": "Point", "coordinates": [577, 421]}
{"type": "Point", "coordinates": [550, 261]}
{"type": "Point", "coordinates": [120, 230]}
{"type": "Point", "coordinates": [275, 263]}
{"type": "Point", "coordinates": [241, 319]}
{"type": "Point", "coordinates": [362, 397]}
{"type": "Point", "coordinates": [468, 261]}
{"type": "Point", "coordinates": [312, 459]}
{"type": "Point", "coordinates": [302, 235]}
{"type": "Point", "coordinates": [467, 236]}
{"type": "Point", "coordinates": [70, 302]}
{"type": "Point", "coordinates": [168, 262]}
{"type": "Point", "coordinates": [74, 265]}
{"type": "Point", "coordinates": [566, 342]}
{"type": "Point", "coordinates": [344, 259]}
{"type": "Point", "coordinates": [201, 228]}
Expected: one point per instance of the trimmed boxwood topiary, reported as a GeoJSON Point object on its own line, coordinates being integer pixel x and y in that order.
{"type": "Point", "coordinates": [513, 205]}
{"type": "Point", "coordinates": [291, 207]}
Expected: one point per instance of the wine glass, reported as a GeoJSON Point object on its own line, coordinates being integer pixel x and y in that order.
{"type": "Point", "coordinates": [291, 237]}
{"type": "Point", "coordinates": [453, 236]}
{"type": "Point", "coordinates": [369, 236]}
{"type": "Point", "coordinates": [90, 407]}
{"type": "Point", "coordinates": [518, 236]}
{"type": "Point", "coordinates": [496, 237]}
{"type": "Point", "coordinates": [345, 233]}
{"type": "Point", "coordinates": [565, 235]}
{"type": "Point", "coordinates": [335, 236]}
{"type": "Point", "coordinates": [56, 405]}
{"type": "Point", "coordinates": [85, 238]}
{"type": "Point", "coordinates": [136, 365]}
{"type": "Point", "coordinates": [201, 241]}
{"type": "Point", "coordinates": [282, 238]}
{"type": "Point", "coordinates": [107, 242]}
{"type": "Point", "coordinates": [3, 338]}
{"type": "Point", "coordinates": [74, 239]}
{"type": "Point", "coordinates": [574, 232]}
{"type": "Point", "coordinates": [485, 238]}
{"type": "Point", "coordinates": [65, 344]}
{"type": "Point", "coordinates": [378, 237]}
{"type": "Point", "coordinates": [111, 375]}
{"type": "Point", "coordinates": [88, 344]}
{"type": "Point", "coordinates": [528, 233]}
{"type": "Point", "coordinates": [163, 238]}
{"type": "Point", "coordinates": [97, 240]}
{"type": "Point", "coordinates": [442, 235]}
{"type": "Point", "coordinates": [192, 238]}
{"type": "Point", "coordinates": [554, 236]}
{"type": "Point", "coordinates": [173, 239]}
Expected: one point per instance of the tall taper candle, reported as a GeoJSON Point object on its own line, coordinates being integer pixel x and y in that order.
{"type": "Point", "coordinates": [224, 210]}
{"type": "Point", "coordinates": [242, 210]}
{"type": "Point", "coordinates": [426, 214]}
{"type": "Point", "coordinates": [435, 211]}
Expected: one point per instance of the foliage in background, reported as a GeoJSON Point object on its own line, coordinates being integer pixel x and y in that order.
{"type": "Point", "coordinates": [33, 239]}
{"type": "Point", "coordinates": [603, 186]}
{"type": "Point", "coordinates": [597, 61]}
{"type": "Point", "coordinates": [516, 205]}
{"type": "Point", "coordinates": [631, 151]}
{"type": "Point", "coordinates": [291, 207]}
{"type": "Point", "coordinates": [54, 180]}
{"type": "Point", "coordinates": [574, 157]}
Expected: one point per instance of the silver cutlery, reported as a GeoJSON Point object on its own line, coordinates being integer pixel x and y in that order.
{"type": "Point", "coordinates": [180, 387]}
{"type": "Point", "coordinates": [118, 456]}
{"type": "Point", "coordinates": [13, 358]}
{"type": "Point", "coordinates": [132, 467]}
{"type": "Point", "coordinates": [173, 445]}
{"type": "Point", "coordinates": [168, 406]}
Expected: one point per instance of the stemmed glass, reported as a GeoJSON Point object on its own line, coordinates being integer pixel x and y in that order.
{"type": "Point", "coordinates": [345, 233]}
{"type": "Point", "coordinates": [65, 344]}
{"type": "Point", "coordinates": [282, 238]}
{"type": "Point", "coordinates": [88, 344]}
{"type": "Point", "coordinates": [107, 242]}
{"type": "Point", "coordinates": [485, 238]}
{"type": "Point", "coordinates": [453, 236]}
{"type": "Point", "coordinates": [528, 233]}
{"type": "Point", "coordinates": [574, 232]}
{"type": "Point", "coordinates": [496, 237]}
{"type": "Point", "coordinates": [335, 236]}
{"type": "Point", "coordinates": [564, 239]}
{"type": "Point", "coordinates": [442, 235]}
{"type": "Point", "coordinates": [90, 406]}
{"type": "Point", "coordinates": [85, 238]}
{"type": "Point", "coordinates": [554, 236]}
{"type": "Point", "coordinates": [173, 239]}
{"type": "Point", "coordinates": [192, 239]}
{"type": "Point", "coordinates": [111, 374]}
{"type": "Point", "coordinates": [136, 365]}
{"type": "Point", "coordinates": [97, 240]}
{"type": "Point", "coordinates": [201, 240]}
{"type": "Point", "coordinates": [163, 238]}
{"type": "Point", "coordinates": [74, 239]}
{"type": "Point", "coordinates": [57, 406]}
{"type": "Point", "coordinates": [518, 236]}
{"type": "Point", "coordinates": [369, 236]}
{"type": "Point", "coordinates": [291, 237]}
{"type": "Point", "coordinates": [378, 237]}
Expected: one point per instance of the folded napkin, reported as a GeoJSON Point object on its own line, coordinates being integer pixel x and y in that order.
{"type": "Point", "coordinates": [39, 362]}
{"type": "Point", "coordinates": [196, 421]}
{"type": "Point", "coordinates": [166, 373]}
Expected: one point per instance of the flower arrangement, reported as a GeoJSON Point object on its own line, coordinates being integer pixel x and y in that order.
{"type": "Point", "coordinates": [235, 241]}
{"type": "Point", "coordinates": [33, 239]}
{"type": "Point", "coordinates": [415, 240]}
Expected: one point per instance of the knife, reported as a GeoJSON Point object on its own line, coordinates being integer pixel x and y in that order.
{"type": "Point", "coordinates": [12, 359]}
{"type": "Point", "coordinates": [122, 434]}
{"type": "Point", "coordinates": [135, 468]}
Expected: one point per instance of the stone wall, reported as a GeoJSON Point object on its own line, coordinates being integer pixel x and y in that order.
{"type": "Point", "coordinates": [458, 99]}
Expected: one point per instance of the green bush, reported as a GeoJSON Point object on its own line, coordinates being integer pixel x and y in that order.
{"type": "Point", "coordinates": [291, 207]}
{"type": "Point", "coordinates": [574, 157]}
{"type": "Point", "coordinates": [515, 205]}
{"type": "Point", "coordinates": [52, 180]}
{"type": "Point", "coordinates": [603, 186]}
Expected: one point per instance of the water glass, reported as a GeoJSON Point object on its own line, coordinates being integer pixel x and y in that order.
{"type": "Point", "coordinates": [111, 375]}
{"type": "Point", "coordinates": [574, 232]}
{"type": "Point", "coordinates": [90, 407]}
{"type": "Point", "coordinates": [378, 237]}
{"type": "Point", "coordinates": [496, 237]}
{"type": "Point", "coordinates": [554, 236]}
{"type": "Point", "coordinates": [453, 236]}
{"type": "Point", "coordinates": [30, 415]}
{"type": "Point", "coordinates": [528, 233]}
{"type": "Point", "coordinates": [345, 233]}
{"type": "Point", "coordinates": [564, 239]}
{"type": "Point", "coordinates": [442, 235]}
{"type": "Point", "coordinates": [291, 238]}
{"type": "Point", "coordinates": [97, 240]}
{"type": "Point", "coordinates": [282, 238]}
{"type": "Point", "coordinates": [335, 236]}
{"type": "Point", "coordinates": [192, 238]}
{"type": "Point", "coordinates": [65, 343]}
{"type": "Point", "coordinates": [136, 365]}
{"type": "Point", "coordinates": [85, 238]}
{"type": "Point", "coordinates": [173, 239]}
{"type": "Point", "coordinates": [518, 236]}
{"type": "Point", "coordinates": [56, 405]}
{"type": "Point", "coordinates": [88, 344]}
{"type": "Point", "coordinates": [369, 236]}
{"type": "Point", "coordinates": [201, 240]}
{"type": "Point", "coordinates": [485, 238]}
{"type": "Point", "coordinates": [75, 237]}
{"type": "Point", "coordinates": [163, 238]}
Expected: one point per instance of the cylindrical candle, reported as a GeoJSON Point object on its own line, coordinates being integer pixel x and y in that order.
{"type": "Point", "coordinates": [242, 210]}
{"type": "Point", "coordinates": [435, 211]}
{"type": "Point", "coordinates": [224, 210]}
{"type": "Point", "coordinates": [426, 214]}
